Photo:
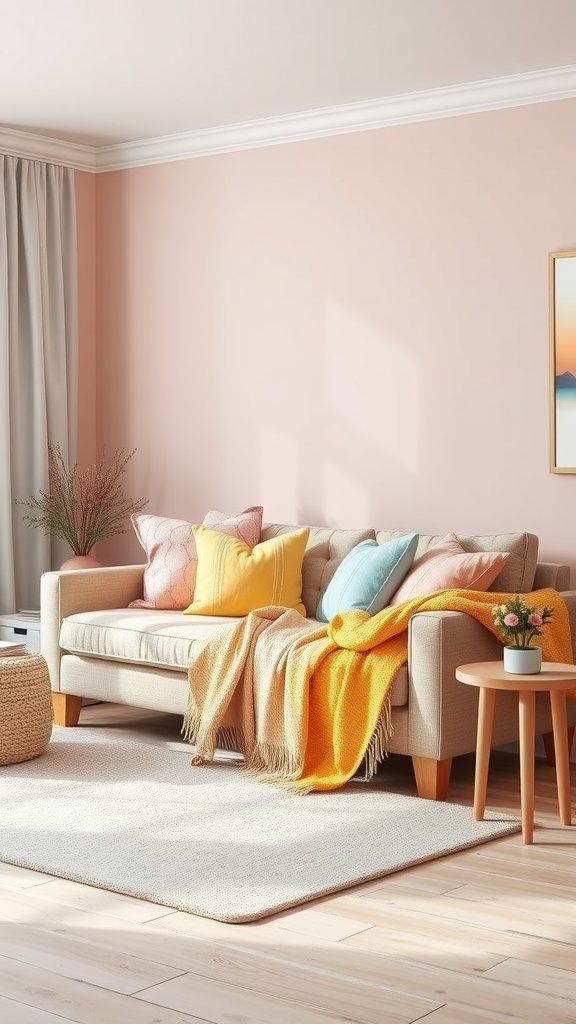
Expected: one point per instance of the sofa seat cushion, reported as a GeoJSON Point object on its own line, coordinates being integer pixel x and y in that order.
{"type": "Point", "coordinates": [142, 636]}
{"type": "Point", "coordinates": [156, 638]}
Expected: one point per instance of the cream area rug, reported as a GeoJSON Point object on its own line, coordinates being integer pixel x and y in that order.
{"type": "Point", "coordinates": [120, 807]}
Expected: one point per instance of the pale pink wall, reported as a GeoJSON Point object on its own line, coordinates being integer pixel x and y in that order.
{"type": "Point", "coordinates": [352, 331]}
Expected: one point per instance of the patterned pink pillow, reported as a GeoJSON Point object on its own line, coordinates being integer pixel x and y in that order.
{"type": "Point", "coordinates": [170, 573]}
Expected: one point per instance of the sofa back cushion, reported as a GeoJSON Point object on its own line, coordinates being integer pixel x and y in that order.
{"type": "Point", "coordinates": [326, 548]}
{"type": "Point", "coordinates": [325, 551]}
{"type": "Point", "coordinates": [516, 576]}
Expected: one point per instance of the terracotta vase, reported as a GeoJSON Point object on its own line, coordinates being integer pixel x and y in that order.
{"type": "Point", "coordinates": [81, 562]}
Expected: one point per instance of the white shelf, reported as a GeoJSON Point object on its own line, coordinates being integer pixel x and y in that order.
{"type": "Point", "coordinates": [20, 628]}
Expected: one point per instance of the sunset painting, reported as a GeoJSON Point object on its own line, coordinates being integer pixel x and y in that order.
{"type": "Point", "coordinates": [562, 272]}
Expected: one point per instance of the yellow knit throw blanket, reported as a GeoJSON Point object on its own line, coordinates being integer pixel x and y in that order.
{"type": "Point", "coordinates": [303, 702]}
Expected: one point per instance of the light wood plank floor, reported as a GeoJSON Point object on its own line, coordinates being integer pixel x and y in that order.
{"type": "Point", "coordinates": [480, 936]}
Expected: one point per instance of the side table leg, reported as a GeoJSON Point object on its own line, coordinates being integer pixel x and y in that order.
{"type": "Point", "coordinates": [558, 705]}
{"type": "Point", "coordinates": [486, 701]}
{"type": "Point", "coordinates": [527, 722]}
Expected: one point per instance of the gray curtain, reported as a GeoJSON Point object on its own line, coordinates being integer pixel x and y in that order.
{"type": "Point", "coordinates": [38, 358]}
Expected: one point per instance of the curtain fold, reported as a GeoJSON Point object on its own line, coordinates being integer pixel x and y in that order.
{"type": "Point", "coordinates": [38, 358]}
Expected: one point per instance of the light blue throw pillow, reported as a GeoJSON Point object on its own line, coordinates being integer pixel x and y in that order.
{"type": "Point", "coordinates": [368, 576]}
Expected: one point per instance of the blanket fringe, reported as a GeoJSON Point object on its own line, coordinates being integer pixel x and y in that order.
{"type": "Point", "coordinates": [275, 764]}
{"type": "Point", "coordinates": [191, 721]}
{"type": "Point", "coordinates": [227, 737]}
{"type": "Point", "coordinates": [269, 763]}
{"type": "Point", "coordinates": [230, 737]}
{"type": "Point", "coordinates": [376, 752]}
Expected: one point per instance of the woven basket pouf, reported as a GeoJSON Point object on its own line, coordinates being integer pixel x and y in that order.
{"type": "Point", "coordinates": [25, 707]}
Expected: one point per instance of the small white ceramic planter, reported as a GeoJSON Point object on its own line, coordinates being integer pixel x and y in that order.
{"type": "Point", "coordinates": [522, 661]}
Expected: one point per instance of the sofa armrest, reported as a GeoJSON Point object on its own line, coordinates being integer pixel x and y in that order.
{"type": "Point", "coordinates": [551, 574]}
{"type": "Point", "coordinates": [441, 712]}
{"type": "Point", "coordinates": [83, 590]}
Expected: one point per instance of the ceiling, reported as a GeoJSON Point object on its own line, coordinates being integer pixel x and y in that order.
{"type": "Point", "coordinates": [107, 72]}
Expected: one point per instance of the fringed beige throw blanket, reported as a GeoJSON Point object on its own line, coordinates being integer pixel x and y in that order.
{"type": "Point", "coordinates": [278, 689]}
{"type": "Point", "coordinates": [303, 702]}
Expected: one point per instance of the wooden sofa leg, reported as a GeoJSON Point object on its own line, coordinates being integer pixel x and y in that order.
{"type": "Point", "coordinates": [66, 708]}
{"type": "Point", "coordinates": [548, 738]}
{"type": "Point", "coordinates": [432, 777]}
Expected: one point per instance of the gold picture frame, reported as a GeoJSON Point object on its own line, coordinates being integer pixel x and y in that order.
{"type": "Point", "coordinates": [562, 306]}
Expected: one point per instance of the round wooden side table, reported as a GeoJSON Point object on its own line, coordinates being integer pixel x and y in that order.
{"type": "Point", "coordinates": [555, 678]}
{"type": "Point", "coordinates": [25, 707]}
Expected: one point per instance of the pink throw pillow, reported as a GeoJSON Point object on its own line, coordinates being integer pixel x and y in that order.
{"type": "Point", "coordinates": [447, 566]}
{"type": "Point", "coordinates": [170, 573]}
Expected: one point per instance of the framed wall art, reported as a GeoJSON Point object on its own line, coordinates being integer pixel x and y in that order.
{"type": "Point", "coordinates": [562, 288]}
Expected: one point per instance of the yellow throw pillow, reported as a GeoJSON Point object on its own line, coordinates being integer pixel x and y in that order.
{"type": "Point", "coordinates": [234, 579]}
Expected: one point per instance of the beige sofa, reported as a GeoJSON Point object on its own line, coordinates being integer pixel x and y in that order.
{"type": "Point", "coordinates": [98, 648]}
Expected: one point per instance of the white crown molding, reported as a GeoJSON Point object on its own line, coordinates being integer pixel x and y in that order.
{"type": "Point", "coordinates": [449, 101]}
{"type": "Point", "coordinates": [41, 147]}
{"type": "Point", "coordinates": [472, 97]}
